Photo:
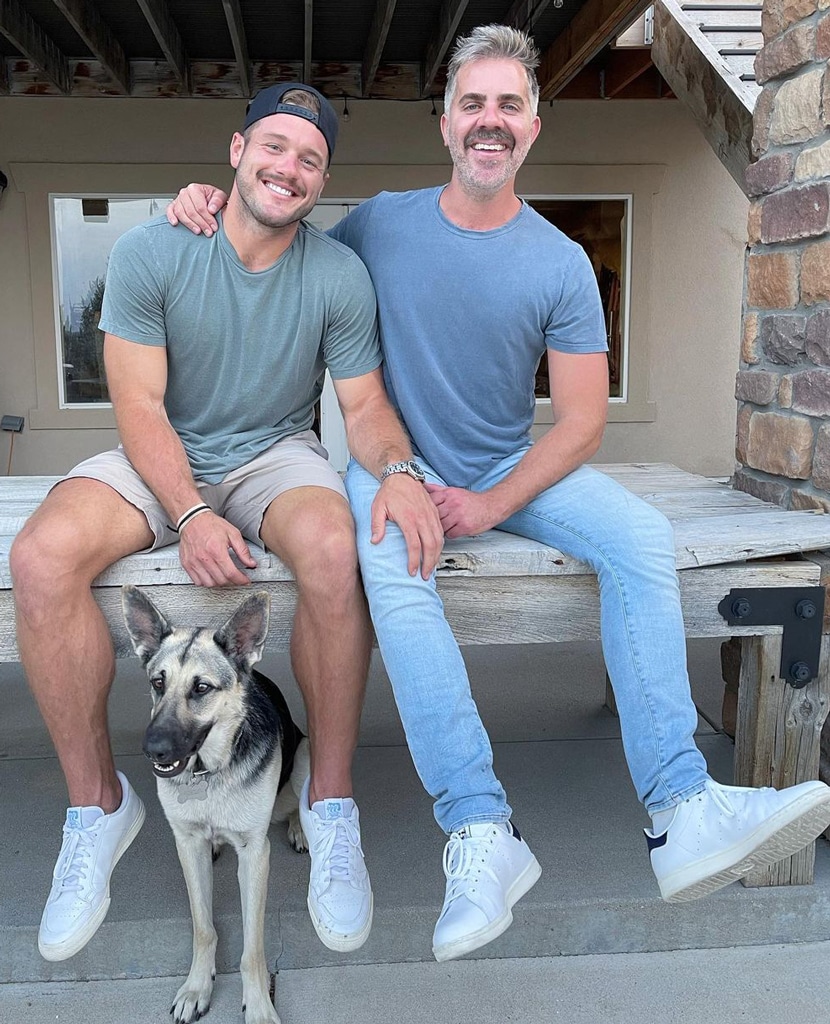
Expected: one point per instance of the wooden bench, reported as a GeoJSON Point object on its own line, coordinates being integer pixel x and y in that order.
{"type": "Point", "coordinates": [501, 589]}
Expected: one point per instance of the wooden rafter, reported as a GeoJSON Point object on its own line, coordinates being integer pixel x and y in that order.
{"type": "Point", "coordinates": [384, 11]}
{"type": "Point", "coordinates": [167, 36]}
{"type": "Point", "coordinates": [17, 26]}
{"type": "Point", "coordinates": [624, 67]}
{"type": "Point", "coordinates": [233, 16]}
{"type": "Point", "coordinates": [594, 26]}
{"type": "Point", "coordinates": [524, 13]}
{"type": "Point", "coordinates": [308, 31]}
{"type": "Point", "coordinates": [83, 16]}
{"type": "Point", "coordinates": [448, 19]}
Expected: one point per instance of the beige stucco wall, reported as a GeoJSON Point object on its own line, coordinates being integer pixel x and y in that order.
{"type": "Point", "coordinates": [686, 305]}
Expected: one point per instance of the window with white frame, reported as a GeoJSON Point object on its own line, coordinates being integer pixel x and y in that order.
{"type": "Point", "coordinates": [600, 225]}
{"type": "Point", "coordinates": [84, 230]}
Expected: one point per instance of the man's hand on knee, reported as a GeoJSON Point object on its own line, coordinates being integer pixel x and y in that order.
{"type": "Point", "coordinates": [405, 501]}
{"type": "Point", "coordinates": [204, 551]}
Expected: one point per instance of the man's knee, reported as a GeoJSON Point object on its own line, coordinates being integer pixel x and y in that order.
{"type": "Point", "coordinates": [46, 562]}
{"type": "Point", "coordinates": [322, 549]}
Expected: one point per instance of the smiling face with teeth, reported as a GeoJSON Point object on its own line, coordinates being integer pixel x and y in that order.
{"type": "Point", "coordinates": [280, 165]}
{"type": "Point", "coordinates": [490, 125]}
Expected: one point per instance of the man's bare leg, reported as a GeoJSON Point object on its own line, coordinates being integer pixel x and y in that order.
{"type": "Point", "coordinates": [311, 530]}
{"type": "Point", "coordinates": [65, 647]}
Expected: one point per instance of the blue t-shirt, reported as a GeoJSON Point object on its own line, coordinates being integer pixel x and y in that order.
{"type": "Point", "coordinates": [465, 317]}
{"type": "Point", "coordinates": [246, 350]}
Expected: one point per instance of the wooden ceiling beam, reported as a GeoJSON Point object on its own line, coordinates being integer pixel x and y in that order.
{"type": "Point", "coordinates": [308, 31]}
{"type": "Point", "coordinates": [167, 36]}
{"type": "Point", "coordinates": [83, 16]}
{"type": "Point", "coordinates": [593, 27]}
{"type": "Point", "coordinates": [381, 22]}
{"type": "Point", "coordinates": [524, 13]}
{"type": "Point", "coordinates": [25, 35]}
{"type": "Point", "coordinates": [624, 67]}
{"type": "Point", "coordinates": [450, 15]}
{"type": "Point", "coordinates": [236, 27]}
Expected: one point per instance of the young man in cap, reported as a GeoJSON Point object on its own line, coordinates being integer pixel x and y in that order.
{"type": "Point", "coordinates": [473, 287]}
{"type": "Point", "coordinates": [215, 353]}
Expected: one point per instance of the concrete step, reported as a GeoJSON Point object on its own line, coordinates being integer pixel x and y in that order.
{"type": "Point", "coordinates": [761, 984]}
{"type": "Point", "coordinates": [556, 750]}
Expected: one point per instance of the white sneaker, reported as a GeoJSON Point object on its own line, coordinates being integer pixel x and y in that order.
{"type": "Point", "coordinates": [724, 832]}
{"type": "Point", "coordinates": [339, 892]}
{"type": "Point", "coordinates": [489, 867]}
{"type": "Point", "coordinates": [93, 843]}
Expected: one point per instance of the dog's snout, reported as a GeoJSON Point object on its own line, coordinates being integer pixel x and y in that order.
{"type": "Point", "coordinates": [166, 741]}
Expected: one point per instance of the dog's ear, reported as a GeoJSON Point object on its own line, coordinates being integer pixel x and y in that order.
{"type": "Point", "coordinates": [145, 623]}
{"type": "Point", "coordinates": [243, 635]}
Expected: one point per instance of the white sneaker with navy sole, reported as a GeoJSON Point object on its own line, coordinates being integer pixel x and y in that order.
{"type": "Point", "coordinates": [725, 832]}
{"type": "Point", "coordinates": [339, 892]}
{"type": "Point", "coordinates": [489, 867]}
{"type": "Point", "coordinates": [93, 843]}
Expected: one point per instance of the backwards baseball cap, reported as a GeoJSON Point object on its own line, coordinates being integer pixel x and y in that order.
{"type": "Point", "coordinates": [270, 101]}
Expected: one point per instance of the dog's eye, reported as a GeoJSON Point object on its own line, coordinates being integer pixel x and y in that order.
{"type": "Point", "coordinates": [200, 688]}
{"type": "Point", "coordinates": [157, 682]}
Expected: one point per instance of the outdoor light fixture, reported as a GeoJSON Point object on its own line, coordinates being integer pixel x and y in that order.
{"type": "Point", "coordinates": [346, 115]}
{"type": "Point", "coordinates": [433, 114]}
{"type": "Point", "coordinates": [4, 183]}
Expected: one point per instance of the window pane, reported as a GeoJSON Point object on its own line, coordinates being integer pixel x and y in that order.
{"type": "Point", "coordinates": [84, 230]}
{"type": "Point", "coordinates": [599, 227]}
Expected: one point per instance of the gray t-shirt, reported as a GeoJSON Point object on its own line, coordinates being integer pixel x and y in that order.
{"type": "Point", "coordinates": [465, 317]}
{"type": "Point", "coordinates": [246, 351]}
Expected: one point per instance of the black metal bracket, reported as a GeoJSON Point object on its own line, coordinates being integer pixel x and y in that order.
{"type": "Point", "coordinates": [800, 610]}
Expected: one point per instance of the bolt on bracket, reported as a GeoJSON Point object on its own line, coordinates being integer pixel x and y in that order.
{"type": "Point", "coordinates": [800, 610]}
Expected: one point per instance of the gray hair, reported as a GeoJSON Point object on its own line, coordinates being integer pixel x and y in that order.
{"type": "Point", "coordinates": [496, 42]}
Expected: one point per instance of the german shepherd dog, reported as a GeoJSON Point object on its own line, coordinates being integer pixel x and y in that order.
{"type": "Point", "coordinates": [228, 759]}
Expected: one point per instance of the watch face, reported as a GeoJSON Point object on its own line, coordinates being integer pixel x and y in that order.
{"type": "Point", "coordinates": [415, 470]}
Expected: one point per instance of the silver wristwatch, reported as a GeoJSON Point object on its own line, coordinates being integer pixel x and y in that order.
{"type": "Point", "coordinates": [409, 467]}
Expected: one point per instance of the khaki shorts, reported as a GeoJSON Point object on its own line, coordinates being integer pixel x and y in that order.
{"type": "Point", "coordinates": [241, 498]}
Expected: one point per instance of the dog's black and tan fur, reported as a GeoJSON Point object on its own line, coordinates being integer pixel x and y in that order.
{"type": "Point", "coordinates": [228, 760]}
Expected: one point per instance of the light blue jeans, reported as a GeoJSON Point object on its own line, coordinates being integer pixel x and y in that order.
{"type": "Point", "coordinates": [630, 546]}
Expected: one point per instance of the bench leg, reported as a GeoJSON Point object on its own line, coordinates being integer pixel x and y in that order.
{"type": "Point", "coordinates": [777, 741]}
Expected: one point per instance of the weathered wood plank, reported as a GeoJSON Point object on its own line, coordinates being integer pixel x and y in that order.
{"type": "Point", "coordinates": [702, 79]}
{"type": "Point", "coordinates": [375, 43]}
{"type": "Point", "coordinates": [449, 16]}
{"type": "Point", "coordinates": [778, 737]}
{"type": "Point", "coordinates": [481, 610]}
{"type": "Point", "coordinates": [167, 36]}
{"type": "Point", "coordinates": [28, 37]}
{"type": "Point", "coordinates": [748, 529]}
{"type": "Point", "coordinates": [84, 17]}
{"type": "Point", "coordinates": [239, 41]}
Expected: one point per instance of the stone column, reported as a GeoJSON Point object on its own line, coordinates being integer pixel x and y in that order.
{"type": "Point", "coordinates": [783, 385]}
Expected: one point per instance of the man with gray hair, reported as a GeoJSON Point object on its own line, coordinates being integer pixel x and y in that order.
{"type": "Point", "coordinates": [473, 288]}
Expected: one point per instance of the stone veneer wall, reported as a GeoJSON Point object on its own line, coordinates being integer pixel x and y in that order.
{"type": "Point", "coordinates": [783, 385]}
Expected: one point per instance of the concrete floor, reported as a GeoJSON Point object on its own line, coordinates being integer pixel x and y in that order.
{"type": "Point", "coordinates": [585, 931]}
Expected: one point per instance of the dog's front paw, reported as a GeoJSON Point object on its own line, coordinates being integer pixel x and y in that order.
{"type": "Point", "coordinates": [260, 1011]}
{"type": "Point", "coordinates": [296, 836]}
{"type": "Point", "coordinates": [192, 1002]}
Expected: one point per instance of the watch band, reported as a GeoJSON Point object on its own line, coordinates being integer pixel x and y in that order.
{"type": "Point", "coordinates": [408, 466]}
